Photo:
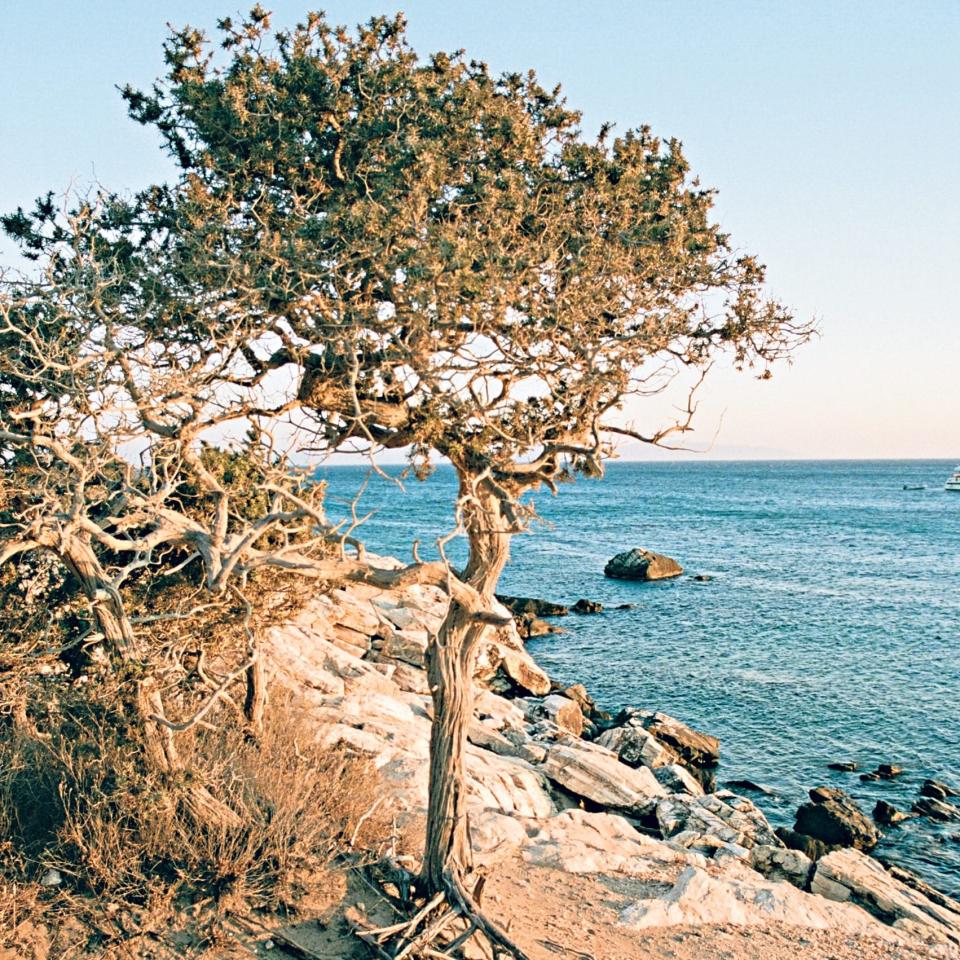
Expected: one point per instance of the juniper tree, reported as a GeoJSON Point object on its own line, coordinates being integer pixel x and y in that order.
{"type": "Point", "coordinates": [420, 255]}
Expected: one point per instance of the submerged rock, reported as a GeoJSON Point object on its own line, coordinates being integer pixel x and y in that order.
{"type": "Point", "coordinates": [532, 606]}
{"type": "Point", "coordinates": [936, 809]}
{"type": "Point", "coordinates": [640, 564]}
{"type": "Point", "coordinates": [937, 790]}
{"type": "Point", "coordinates": [836, 820]}
{"type": "Point", "coordinates": [587, 606]}
{"type": "Point", "coordinates": [887, 813]}
{"type": "Point", "coordinates": [844, 766]}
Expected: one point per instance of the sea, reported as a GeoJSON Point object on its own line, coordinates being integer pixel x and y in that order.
{"type": "Point", "coordinates": [829, 629]}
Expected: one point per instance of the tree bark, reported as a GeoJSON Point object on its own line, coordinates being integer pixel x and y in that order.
{"type": "Point", "coordinates": [144, 702]}
{"type": "Point", "coordinates": [447, 854]}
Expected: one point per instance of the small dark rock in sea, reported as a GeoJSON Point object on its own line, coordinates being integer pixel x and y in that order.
{"type": "Point", "coordinates": [702, 577]}
{"type": "Point", "coordinates": [625, 606]}
{"type": "Point", "coordinates": [937, 790]}
{"type": "Point", "coordinates": [887, 771]}
{"type": "Point", "coordinates": [532, 606]}
{"type": "Point", "coordinates": [887, 813]}
{"type": "Point", "coordinates": [534, 627]}
{"type": "Point", "coordinates": [936, 809]}
{"type": "Point", "coordinates": [640, 564]}
{"type": "Point", "coordinates": [751, 786]}
{"type": "Point", "coordinates": [587, 606]}
{"type": "Point", "coordinates": [844, 766]}
{"type": "Point", "coordinates": [834, 818]}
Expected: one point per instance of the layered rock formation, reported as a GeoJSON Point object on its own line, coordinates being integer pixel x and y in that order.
{"type": "Point", "coordinates": [629, 803]}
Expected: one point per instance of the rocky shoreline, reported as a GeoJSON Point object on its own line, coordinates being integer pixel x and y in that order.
{"type": "Point", "coordinates": [555, 783]}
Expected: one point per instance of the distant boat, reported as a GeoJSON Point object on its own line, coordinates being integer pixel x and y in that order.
{"type": "Point", "coordinates": [914, 486]}
{"type": "Point", "coordinates": [954, 482]}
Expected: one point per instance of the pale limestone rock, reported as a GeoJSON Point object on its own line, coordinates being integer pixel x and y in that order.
{"type": "Point", "coordinates": [849, 875]}
{"type": "Point", "coordinates": [507, 784]}
{"type": "Point", "coordinates": [597, 775]}
{"type": "Point", "coordinates": [779, 863]}
{"type": "Point", "coordinates": [636, 747]}
{"type": "Point", "coordinates": [731, 819]}
{"type": "Point", "coordinates": [564, 712]}
{"type": "Point", "coordinates": [678, 779]}
{"type": "Point", "coordinates": [577, 841]}
{"type": "Point", "coordinates": [494, 836]}
{"type": "Point", "coordinates": [743, 898]}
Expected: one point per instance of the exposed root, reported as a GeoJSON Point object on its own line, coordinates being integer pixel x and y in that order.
{"type": "Point", "coordinates": [438, 930]}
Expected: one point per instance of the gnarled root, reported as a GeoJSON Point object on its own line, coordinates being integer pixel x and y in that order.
{"type": "Point", "coordinates": [438, 930]}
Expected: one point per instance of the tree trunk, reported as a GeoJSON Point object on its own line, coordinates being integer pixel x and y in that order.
{"type": "Point", "coordinates": [160, 750]}
{"type": "Point", "coordinates": [450, 670]}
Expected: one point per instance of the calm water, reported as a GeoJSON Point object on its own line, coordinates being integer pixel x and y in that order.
{"type": "Point", "coordinates": [831, 629]}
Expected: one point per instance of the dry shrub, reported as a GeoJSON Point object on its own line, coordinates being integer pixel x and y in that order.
{"type": "Point", "coordinates": [74, 797]}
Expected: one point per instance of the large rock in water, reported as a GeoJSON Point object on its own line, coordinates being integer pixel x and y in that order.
{"type": "Point", "coordinates": [836, 820]}
{"type": "Point", "coordinates": [637, 564]}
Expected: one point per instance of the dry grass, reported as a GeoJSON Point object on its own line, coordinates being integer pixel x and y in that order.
{"type": "Point", "coordinates": [74, 797]}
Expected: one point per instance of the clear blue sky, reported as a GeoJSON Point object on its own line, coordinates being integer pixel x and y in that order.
{"type": "Point", "coordinates": [832, 130]}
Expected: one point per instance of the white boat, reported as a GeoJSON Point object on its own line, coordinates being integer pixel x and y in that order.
{"type": "Point", "coordinates": [954, 482]}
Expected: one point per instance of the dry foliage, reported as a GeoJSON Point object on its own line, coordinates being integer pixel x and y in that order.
{"type": "Point", "coordinates": [76, 798]}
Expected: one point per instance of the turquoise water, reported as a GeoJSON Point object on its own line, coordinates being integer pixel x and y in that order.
{"type": "Point", "coordinates": [830, 630]}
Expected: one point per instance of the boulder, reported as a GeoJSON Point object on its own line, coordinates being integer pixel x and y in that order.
{"type": "Point", "coordinates": [725, 816]}
{"type": "Point", "coordinates": [849, 875]}
{"type": "Point", "coordinates": [813, 849]}
{"type": "Point", "coordinates": [533, 627]}
{"type": "Point", "coordinates": [779, 863]}
{"type": "Point", "coordinates": [578, 692]}
{"type": "Point", "coordinates": [844, 766]}
{"type": "Point", "coordinates": [936, 809]}
{"type": "Point", "coordinates": [598, 776]}
{"type": "Point", "coordinates": [532, 606]}
{"type": "Point", "coordinates": [937, 790]}
{"type": "Point", "coordinates": [564, 712]}
{"type": "Point", "coordinates": [694, 748]}
{"type": "Point", "coordinates": [835, 819]}
{"type": "Point", "coordinates": [678, 779]}
{"type": "Point", "coordinates": [751, 787]}
{"type": "Point", "coordinates": [637, 564]}
{"type": "Point", "coordinates": [587, 606]}
{"type": "Point", "coordinates": [637, 747]}
{"type": "Point", "coordinates": [885, 771]}
{"type": "Point", "coordinates": [887, 813]}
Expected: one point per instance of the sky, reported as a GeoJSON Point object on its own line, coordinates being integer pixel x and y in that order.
{"type": "Point", "coordinates": [830, 129]}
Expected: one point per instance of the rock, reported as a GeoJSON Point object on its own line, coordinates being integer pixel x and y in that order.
{"type": "Point", "coordinates": [678, 779]}
{"type": "Point", "coordinates": [625, 606]}
{"type": "Point", "coordinates": [578, 692]}
{"type": "Point", "coordinates": [637, 747]}
{"type": "Point", "coordinates": [532, 627]}
{"type": "Point", "coordinates": [587, 606]}
{"type": "Point", "coordinates": [849, 875]}
{"type": "Point", "coordinates": [532, 607]}
{"type": "Point", "coordinates": [751, 787]}
{"type": "Point", "coordinates": [835, 819]}
{"type": "Point", "coordinates": [597, 775]}
{"type": "Point", "coordinates": [702, 577]}
{"type": "Point", "coordinates": [778, 863]}
{"type": "Point", "coordinates": [51, 878]}
{"type": "Point", "coordinates": [725, 816]}
{"type": "Point", "coordinates": [564, 712]}
{"type": "Point", "coordinates": [936, 809]}
{"type": "Point", "coordinates": [693, 747]}
{"type": "Point", "coordinates": [844, 766]}
{"type": "Point", "coordinates": [640, 564]}
{"type": "Point", "coordinates": [885, 771]}
{"type": "Point", "coordinates": [739, 899]}
{"type": "Point", "coordinates": [813, 849]}
{"type": "Point", "coordinates": [887, 813]}
{"type": "Point", "coordinates": [578, 841]}
{"type": "Point", "coordinates": [937, 790]}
